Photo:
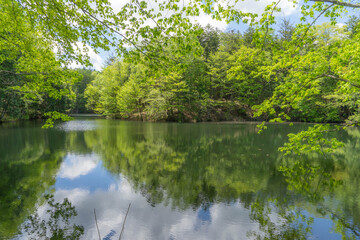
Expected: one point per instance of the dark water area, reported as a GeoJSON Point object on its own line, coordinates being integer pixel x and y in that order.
{"type": "Point", "coordinates": [184, 181]}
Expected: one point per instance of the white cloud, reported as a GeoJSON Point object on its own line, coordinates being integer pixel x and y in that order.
{"type": "Point", "coordinates": [252, 6]}
{"type": "Point", "coordinates": [340, 25]}
{"type": "Point", "coordinates": [74, 195]}
{"type": "Point", "coordinates": [75, 166]}
{"type": "Point", "coordinates": [117, 4]}
{"type": "Point", "coordinates": [205, 19]}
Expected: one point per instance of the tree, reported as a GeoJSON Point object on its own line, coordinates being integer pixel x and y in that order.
{"type": "Point", "coordinates": [286, 30]}
{"type": "Point", "coordinates": [79, 89]}
{"type": "Point", "coordinates": [131, 96]}
{"type": "Point", "coordinates": [209, 40]}
{"type": "Point", "coordinates": [28, 66]}
{"type": "Point", "coordinates": [11, 103]}
{"type": "Point", "coordinates": [353, 25]}
{"type": "Point", "coordinates": [249, 37]}
{"type": "Point", "coordinates": [231, 41]}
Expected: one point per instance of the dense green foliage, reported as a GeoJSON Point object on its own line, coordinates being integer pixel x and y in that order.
{"type": "Point", "coordinates": [175, 70]}
{"type": "Point", "coordinates": [236, 78]}
{"type": "Point", "coordinates": [33, 81]}
{"type": "Point", "coordinates": [79, 105]}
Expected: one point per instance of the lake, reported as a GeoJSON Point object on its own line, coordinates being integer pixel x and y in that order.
{"type": "Point", "coordinates": [184, 181]}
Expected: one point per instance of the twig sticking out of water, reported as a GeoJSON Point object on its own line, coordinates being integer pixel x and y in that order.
{"type": "Point", "coordinates": [122, 229]}
{"type": "Point", "coordinates": [97, 224]}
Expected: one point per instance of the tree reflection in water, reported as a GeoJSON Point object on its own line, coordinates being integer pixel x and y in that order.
{"type": "Point", "coordinates": [313, 181]}
{"type": "Point", "coordinates": [56, 224]}
{"type": "Point", "coordinates": [284, 194]}
{"type": "Point", "coordinates": [316, 185]}
{"type": "Point", "coordinates": [279, 222]}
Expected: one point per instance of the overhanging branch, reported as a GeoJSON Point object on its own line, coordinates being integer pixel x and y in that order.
{"type": "Point", "coordinates": [313, 22]}
{"type": "Point", "coordinates": [341, 79]}
{"type": "Point", "coordinates": [267, 24]}
{"type": "Point", "coordinates": [340, 3]}
{"type": "Point", "coordinates": [24, 73]}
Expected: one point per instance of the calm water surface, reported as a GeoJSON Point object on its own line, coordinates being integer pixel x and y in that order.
{"type": "Point", "coordinates": [184, 181]}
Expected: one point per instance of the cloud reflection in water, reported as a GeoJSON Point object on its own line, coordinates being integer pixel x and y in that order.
{"type": "Point", "coordinates": [147, 222]}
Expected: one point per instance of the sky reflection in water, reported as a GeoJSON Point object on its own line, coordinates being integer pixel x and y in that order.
{"type": "Point", "coordinates": [84, 181]}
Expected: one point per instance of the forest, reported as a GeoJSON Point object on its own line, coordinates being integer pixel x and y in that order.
{"type": "Point", "coordinates": [273, 71]}
{"type": "Point", "coordinates": [231, 80]}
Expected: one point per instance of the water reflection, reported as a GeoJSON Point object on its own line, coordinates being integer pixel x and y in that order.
{"type": "Point", "coordinates": [54, 223]}
{"type": "Point", "coordinates": [75, 166]}
{"type": "Point", "coordinates": [28, 165]}
{"type": "Point", "coordinates": [78, 125]}
{"type": "Point", "coordinates": [201, 181]}
{"type": "Point", "coordinates": [199, 165]}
